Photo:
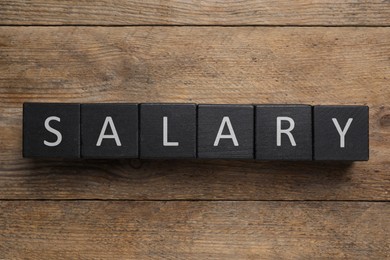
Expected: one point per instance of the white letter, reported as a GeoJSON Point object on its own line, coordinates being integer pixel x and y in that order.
{"type": "Point", "coordinates": [342, 132]}
{"type": "Point", "coordinates": [165, 134]}
{"type": "Point", "coordinates": [231, 135]}
{"type": "Point", "coordinates": [114, 133]}
{"type": "Point", "coordinates": [52, 130]}
{"type": "Point", "coordinates": [280, 131]}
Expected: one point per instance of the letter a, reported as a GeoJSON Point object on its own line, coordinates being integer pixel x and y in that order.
{"type": "Point", "coordinates": [114, 134]}
{"type": "Point", "coordinates": [231, 135]}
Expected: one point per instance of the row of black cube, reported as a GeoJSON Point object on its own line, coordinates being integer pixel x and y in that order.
{"type": "Point", "coordinates": [262, 132]}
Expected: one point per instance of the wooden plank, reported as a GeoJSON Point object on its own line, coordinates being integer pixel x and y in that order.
{"type": "Point", "coordinates": [183, 12]}
{"type": "Point", "coordinates": [194, 65]}
{"type": "Point", "coordinates": [193, 230]}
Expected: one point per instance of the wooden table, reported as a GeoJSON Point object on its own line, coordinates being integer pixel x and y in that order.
{"type": "Point", "coordinates": [312, 52]}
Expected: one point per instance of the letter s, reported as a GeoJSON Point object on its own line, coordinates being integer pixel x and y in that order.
{"type": "Point", "coordinates": [52, 130]}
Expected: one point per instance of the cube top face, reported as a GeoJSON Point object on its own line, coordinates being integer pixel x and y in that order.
{"type": "Point", "coordinates": [226, 131]}
{"type": "Point", "coordinates": [109, 130]}
{"type": "Point", "coordinates": [168, 131]}
{"type": "Point", "coordinates": [266, 132]}
{"type": "Point", "coordinates": [283, 132]}
{"type": "Point", "coordinates": [341, 133]}
{"type": "Point", "coordinates": [51, 130]}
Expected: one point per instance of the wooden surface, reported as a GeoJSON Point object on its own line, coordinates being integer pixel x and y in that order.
{"type": "Point", "coordinates": [180, 209]}
{"type": "Point", "coordinates": [193, 230]}
{"type": "Point", "coordinates": [201, 65]}
{"type": "Point", "coordinates": [192, 12]}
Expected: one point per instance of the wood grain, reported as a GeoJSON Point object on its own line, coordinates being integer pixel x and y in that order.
{"type": "Point", "coordinates": [193, 230]}
{"type": "Point", "coordinates": [48, 208]}
{"type": "Point", "coordinates": [183, 12]}
{"type": "Point", "coordinates": [198, 65]}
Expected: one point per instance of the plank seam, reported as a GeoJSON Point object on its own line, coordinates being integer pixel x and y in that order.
{"type": "Point", "coordinates": [197, 25]}
{"type": "Point", "coordinates": [199, 200]}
